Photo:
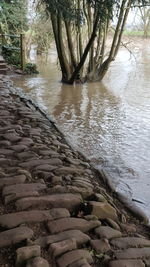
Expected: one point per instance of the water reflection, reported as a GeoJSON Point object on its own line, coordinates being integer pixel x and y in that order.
{"type": "Point", "coordinates": [109, 121]}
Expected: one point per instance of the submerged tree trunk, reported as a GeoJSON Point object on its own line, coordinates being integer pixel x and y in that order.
{"type": "Point", "coordinates": [70, 44]}
{"type": "Point", "coordinates": [86, 51]}
{"type": "Point", "coordinates": [57, 30]}
{"type": "Point", "coordinates": [99, 74]}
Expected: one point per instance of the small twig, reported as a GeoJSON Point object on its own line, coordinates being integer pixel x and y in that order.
{"type": "Point", "coordinates": [131, 53]}
{"type": "Point", "coordinates": [125, 45]}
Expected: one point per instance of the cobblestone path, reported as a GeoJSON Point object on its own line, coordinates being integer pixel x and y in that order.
{"type": "Point", "coordinates": [54, 208]}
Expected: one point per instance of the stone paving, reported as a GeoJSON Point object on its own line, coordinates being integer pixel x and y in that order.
{"type": "Point", "coordinates": [54, 208]}
{"type": "Point", "coordinates": [3, 66]}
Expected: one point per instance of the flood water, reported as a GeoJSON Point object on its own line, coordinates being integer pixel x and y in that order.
{"type": "Point", "coordinates": [109, 121]}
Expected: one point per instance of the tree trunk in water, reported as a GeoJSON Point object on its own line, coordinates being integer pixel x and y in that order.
{"type": "Point", "coordinates": [101, 71]}
{"type": "Point", "coordinates": [62, 50]}
{"type": "Point", "coordinates": [86, 51]}
{"type": "Point", "coordinates": [70, 44]}
{"type": "Point", "coordinates": [57, 30]}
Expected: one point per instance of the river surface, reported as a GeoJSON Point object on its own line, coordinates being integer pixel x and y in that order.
{"type": "Point", "coordinates": [109, 121]}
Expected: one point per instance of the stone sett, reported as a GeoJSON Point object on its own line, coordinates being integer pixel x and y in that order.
{"type": "Point", "coordinates": [13, 236]}
{"type": "Point", "coordinates": [68, 201]}
{"type": "Point", "coordinates": [12, 180]}
{"type": "Point", "coordinates": [134, 253]}
{"type": "Point", "coordinates": [80, 263]}
{"type": "Point", "coordinates": [56, 249]}
{"type": "Point", "coordinates": [103, 210]}
{"type": "Point", "coordinates": [107, 232]}
{"type": "Point", "coordinates": [14, 189]}
{"type": "Point", "coordinates": [38, 262]}
{"type": "Point", "coordinates": [127, 263]}
{"type": "Point", "coordinates": [100, 245]}
{"type": "Point", "coordinates": [15, 196]}
{"type": "Point", "coordinates": [14, 219]}
{"type": "Point", "coordinates": [74, 255]}
{"type": "Point", "coordinates": [64, 224]}
{"type": "Point", "coordinates": [129, 242]}
{"type": "Point", "coordinates": [81, 238]}
{"type": "Point", "coordinates": [25, 253]}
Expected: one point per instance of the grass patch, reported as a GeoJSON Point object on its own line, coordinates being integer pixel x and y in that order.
{"type": "Point", "coordinates": [134, 33]}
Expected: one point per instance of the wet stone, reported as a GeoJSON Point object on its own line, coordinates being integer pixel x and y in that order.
{"type": "Point", "coordinates": [147, 262]}
{"type": "Point", "coordinates": [113, 224]}
{"type": "Point", "coordinates": [26, 253]}
{"type": "Point", "coordinates": [14, 189]}
{"type": "Point", "coordinates": [100, 197]}
{"type": "Point", "coordinates": [6, 152]}
{"type": "Point", "coordinates": [38, 162]}
{"type": "Point", "coordinates": [64, 224]}
{"type": "Point", "coordinates": [57, 143]}
{"type": "Point", "coordinates": [44, 174]}
{"type": "Point", "coordinates": [2, 173]}
{"type": "Point", "coordinates": [46, 167]}
{"type": "Point", "coordinates": [26, 127]}
{"type": "Point", "coordinates": [107, 232]}
{"type": "Point", "coordinates": [12, 180]}
{"type": "Point", "coordinates": [14, 219]}
{"type": "Point", "coordinates": [41, 147]}
{"type": "Point", "coordinates": [85, 192]}
{"type": "Point", "coordinates": [80, 263]}
{"type": "Point", "coordinates": [90, 217]}
{"type": "Point", "coordinates": [15, 196]}
{"type": "Point", "coordinates": [13, 236]}
{"type": "Point", "coordinates": [68, 201]}
{"type": "Point", "coordinates": [68, 170]}
{"type": "Point", "coordinates": [129, 228]}
{"type": "Point", "coordinates": [74, 161]}
{"type": "Point", "coordinates": [5, 162]}
{"type": "Point", "coordinates": [26, 155]}
{"type": "Point", "coordinates": [35, 131]}
{"type": "Point", "coordinates": [72, 256]}
{"type": "Point", "coordinates": [127, 263]}
{"type": "Point", "coordinates": [79, 236]}
{"type": "Point", "coordinates": [80, 183]}
{"type": "Point", "coordinates": [100, 245]}
{"type": "Point", "coordinates": [4, 113]}
{"type": "Point", "coordinates": [19, 148]}
{"type": "Point", "coordinates": [133, 253]}
{"type": "Point", "coordinates": [127, 242]}
{"type": "Point", "coordinates": [18, 127]}
{"type": "Point", "coordinates": [82, 179]}
{"type": "Point", "coordinates": [103, 210]}
{"type": "Point", "coordinates": [26, 141]}
{"type": "Point", "coordinates": [5, 143]}
{"type": "Point", "coordinates": [12, 137]}
{"type": "Point", "coordinates": [37, 262]}
{"type": "Point", "coordinates": [56, 180]}
{"type": "Point", "coordinates": [48, 153]}
{"type": "Point", "coordinates": [56, 249]}
{"type": "Point", "coordinates": [25, 172]}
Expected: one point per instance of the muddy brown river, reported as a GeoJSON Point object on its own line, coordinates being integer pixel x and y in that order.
{"type": "Point", "coordinates": [109, 121]}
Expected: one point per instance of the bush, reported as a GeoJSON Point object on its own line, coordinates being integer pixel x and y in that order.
{"type": "Point", "coordinates": [12, 56]}
{"type": "Point", "coordinates": [31, 68]}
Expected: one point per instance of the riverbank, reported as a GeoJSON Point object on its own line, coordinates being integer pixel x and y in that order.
{"type": "Point", "coordinates": [56, 210]}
